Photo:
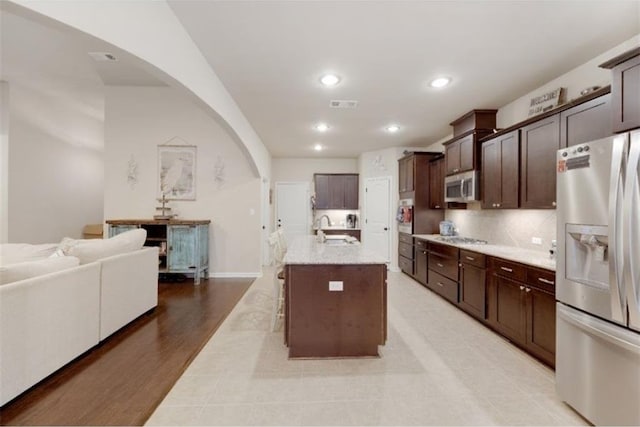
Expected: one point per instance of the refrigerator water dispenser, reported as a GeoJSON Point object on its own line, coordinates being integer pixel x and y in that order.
{"type": "Point", "coordinates": [587, 259]}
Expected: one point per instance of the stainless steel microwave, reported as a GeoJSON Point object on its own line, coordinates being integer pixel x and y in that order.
{"type": "Point", "coordinates": [463, 187]}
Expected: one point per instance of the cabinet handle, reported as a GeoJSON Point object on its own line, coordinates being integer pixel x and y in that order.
{"type": "Point", "coordinates": [521, 288]}
{"type": "Point", "coordinates": [508, 270]}
{"type": "Point", "coordinates": [497, 205]}
{"type": "Point", "coordinates": [470, 258]}
{"type": "Point", "coordinates": [528, 290]}
{"type": "Point", "coordinates": [553, 203]}
{"type": "Point", "coordinates": [493, 205]}
{"type": "Point", "coordinates": [437, 206]}
{"type": "Point", "coordinates": [440, 284]}
{"type": "Point", "coordinates": [440, 265]}
{"type": "Point", "coordinates": [424, 252]}
{"type": "Point", "coordinates": [548, 282]}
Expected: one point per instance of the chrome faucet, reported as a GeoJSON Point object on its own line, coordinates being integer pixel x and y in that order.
{"type": "Point", "coordinates": [320, 221]}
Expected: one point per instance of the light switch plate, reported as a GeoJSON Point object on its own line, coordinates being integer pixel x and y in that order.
{"type": "Point", "coordinates": [335, 286]}
{"type": "Point", "coordinates": [536, 240]}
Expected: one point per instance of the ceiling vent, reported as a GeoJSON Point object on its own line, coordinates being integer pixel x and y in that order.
{"type": "Point", "coordinates": [102, 56]}
{"type": "Point", "coordinates": [342, 104]}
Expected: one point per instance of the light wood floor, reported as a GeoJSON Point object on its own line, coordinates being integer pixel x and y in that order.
{"type": "Point", "coordinates": [122, 380]}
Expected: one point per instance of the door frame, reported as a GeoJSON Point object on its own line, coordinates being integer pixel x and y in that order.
{"type": "Point", "coordinates": [389, 180]}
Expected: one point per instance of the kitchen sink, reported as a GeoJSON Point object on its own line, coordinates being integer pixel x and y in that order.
{"type": "Point", "coordinates": [461, 240]}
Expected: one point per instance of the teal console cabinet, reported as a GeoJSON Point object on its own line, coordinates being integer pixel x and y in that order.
{"type": "Point", "coordinates": [183, 244]}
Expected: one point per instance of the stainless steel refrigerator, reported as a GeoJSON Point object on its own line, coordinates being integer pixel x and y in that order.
{"type": "Point", "coordinates": [598, 279]}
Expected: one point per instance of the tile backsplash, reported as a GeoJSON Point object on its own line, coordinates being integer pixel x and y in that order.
{"type": "Point", "coordinates": [510, 227]}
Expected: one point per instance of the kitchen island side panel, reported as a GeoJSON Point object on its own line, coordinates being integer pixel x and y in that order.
{"type": "Point", "coordinates": [333, 323]}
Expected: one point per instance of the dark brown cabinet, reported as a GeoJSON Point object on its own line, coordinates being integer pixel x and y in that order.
{"type": "Point", "coordinates": [521, 304]}
{"type": "Point", "coordinates": [442, 265]}
{"type": "Point", "coordinates": [540, 142]}
{"type": "Point", "coordinates": [406, 174]}
{"type": "Point", "coordinates": [405, 253]}
{"type": "Point", "coordinates": [420, 261]}
{"type": "Point", "coordinates": [436, 184]}
{"type": "Point", "coordinates": [586, 122]}
{"type": "Point", "coordinates": [625, 88]}
{"type": "Point", "coordinates": [459, 155]}
{"type": "Point", "coordinates": [501, 171]}
{"type": "Point", "coordinates": [336, 191]}
{"type": "Point", "coordinates": [472, 276]}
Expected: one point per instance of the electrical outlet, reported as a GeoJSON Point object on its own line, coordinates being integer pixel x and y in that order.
{"type": "Point", "coordinates": [536, 240]}
{"type": "Point", "coordinates": [335, 285]}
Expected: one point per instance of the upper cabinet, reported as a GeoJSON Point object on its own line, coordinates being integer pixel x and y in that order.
{"type": "Point", "coordinates": [462, 153]}
{"type": "Point", "coordinates": [436, 184]}
{"type": "Point", "coordinates": [625, 88]}
{"type": "Point", "coordinates": [336, 191]}
{"type": "Point", "coordinates": [501, 171]}
{"type": "Point", "coordinates": [459, 155]}
{"type": "Point", "coordinates": [586, 122]}
{"type": "Point", "coordinates": [540, 141]}
{"type": "Point", "coordinates": [406, 176]}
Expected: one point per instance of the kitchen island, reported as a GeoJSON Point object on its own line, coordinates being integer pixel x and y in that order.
{"type": "Point", "coordinates": [335, 299]}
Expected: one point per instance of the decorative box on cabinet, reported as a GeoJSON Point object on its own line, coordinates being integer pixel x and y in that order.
{"type": "Point", "coordinates": [625, 90]}
{"type": "Point", "coordinates": [183, 244]}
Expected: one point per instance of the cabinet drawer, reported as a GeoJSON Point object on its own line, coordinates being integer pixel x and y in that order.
{"type": "Point", "coordinates": [543, 279]}
{"type": "Point", "coordinates": [509, 269]}
{"type": "Point", "coordinates": [405, 238]}
{"type": "Point", "coordinates": [444, 286]}
{"type": "Point", "coordinates": [444, 250]}
{"type": "Point", "coordinates": [405, 265]}
{"type": "Point", "coordinates": [445, 266]}
{"type": "Point", "coordinates": [473, 258]}
{"type": "Point", "coordinates": [405, 250]}
{"type": "Point", "coordinates": [421, 244]}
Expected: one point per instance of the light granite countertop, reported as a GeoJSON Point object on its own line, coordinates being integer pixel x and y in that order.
{"type": "Point", "coordinates": [336, 227]}
{"type": "Point", "coordinates": [525, 256]}
{"type": "Point", "coordinates": [307, 250]}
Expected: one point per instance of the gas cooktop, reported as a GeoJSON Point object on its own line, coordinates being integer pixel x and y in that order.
{"type": "Point", "coordinates": [461, 240]}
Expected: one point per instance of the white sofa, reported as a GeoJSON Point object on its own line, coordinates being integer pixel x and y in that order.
{"type": "Point", "coordinates": [48, 320]}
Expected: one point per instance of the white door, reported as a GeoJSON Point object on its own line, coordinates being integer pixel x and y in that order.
{"type": "Point", "coordinates": [266, 220]}
{"type": "Point", "coordinates": [377, 216]}
{"type": "Point", "coordinates": [293, 208]}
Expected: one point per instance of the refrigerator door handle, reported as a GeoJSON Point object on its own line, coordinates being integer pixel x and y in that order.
{"type": "Point", "coordinates": [597, 328]}
{"type": "Point", "coordinates": [616, 260]}
{"type": "Point", "coordinates": [631, 226]}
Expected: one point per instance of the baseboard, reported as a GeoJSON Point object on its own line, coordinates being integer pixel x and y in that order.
{"type": "Point", "coordinates": [234, 275]}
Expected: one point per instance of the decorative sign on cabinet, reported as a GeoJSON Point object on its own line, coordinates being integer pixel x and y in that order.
{"type": "Point", "coordinates": [183, 244]}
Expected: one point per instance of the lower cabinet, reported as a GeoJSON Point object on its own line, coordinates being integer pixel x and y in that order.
{"type": "Point", "coordinates": [522, 306]}
{"type": "Point", "coordinates": [443, 270]}
{"type": "Point", "coordinates": [473, 278]}
{"type": "Point", "coordinates": [420, 261]}
{"type": "Point", "coordinates": [405, 253]}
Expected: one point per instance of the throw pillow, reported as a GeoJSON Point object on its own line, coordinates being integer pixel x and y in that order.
{"type": "Point", "coordinates": [25, 270]}
{"type": "Point", "coordinates": [95, 249]}
{"type": "Point", "coordinates": [13, 253]}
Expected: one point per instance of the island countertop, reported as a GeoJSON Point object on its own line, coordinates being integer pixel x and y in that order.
{"type": "Point", "coordinates": [307, 250]}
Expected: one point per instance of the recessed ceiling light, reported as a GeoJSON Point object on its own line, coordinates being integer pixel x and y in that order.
{"type": "Point", "coordinates": [440, 82]}
{"type": "Point", "coordinates": [317, 147]}
{"type": "Point", "coordinates": [392, 128]}
{"type": "Point", "coordinates": [322, 127]}
{"type": "Point", "coordinates": [329, 80]}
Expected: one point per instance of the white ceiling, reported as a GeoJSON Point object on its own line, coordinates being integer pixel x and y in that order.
{"type": "Point", "coordinates": [270, 54]}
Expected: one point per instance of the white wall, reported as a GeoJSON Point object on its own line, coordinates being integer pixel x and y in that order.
{"type": "Point", "coordinates": [4, 161]}
{"type": "Point", "coordinates": [137, 121]}
{"type": "Point", "coordinates": [55, 175]}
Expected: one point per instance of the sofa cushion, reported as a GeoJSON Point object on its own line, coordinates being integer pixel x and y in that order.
{"type": "Point", "coordinates": [25, 270]}
{"type": "Point", "coordinates": [13, 253]}
{"type": "Point", "coordinates": [95, 249]}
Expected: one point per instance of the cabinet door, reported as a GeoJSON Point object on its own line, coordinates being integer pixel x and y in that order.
{"type": "Point", "coordinates": [625, 87]}
{"type": "Point", "coordinates": [586, 122]}
{"type": "Point", "coordinates": [467, 154]}
{"type": "Point", "coordinates": [436, 184]}
{"type": "Point", "coordinates": [336, 191]}
{"type": "Point", "coordinates": [491, 174]}
{"type": "Point", "coordinates": [452, 158]}
{"type": "Point", "coordinates": [421, 265]}
{"type": "Point", "coordinates": [402, 175]}
{"type": "Point", "coordinates": [508, 313]}
{"type": "Point", "coordinates": [541, 324]}
{"type": "Point", "coordinates": [510, 170]}
{"type": "Point", "coordinates": [473, 290]}
{"type": "Point", "coordinates": [322, 191]}
{"type": "Point", "coordinates": [410, 173]}
{"type": "Point", "coordinates": [540, 141]}
{"type": "Point", "coordinates": [182, 248]}
{"type": "Point", "coordinates": [350, 191]}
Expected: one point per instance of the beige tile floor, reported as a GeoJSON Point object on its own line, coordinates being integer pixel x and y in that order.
{"type": "Point", "coordinates": [439, 367]}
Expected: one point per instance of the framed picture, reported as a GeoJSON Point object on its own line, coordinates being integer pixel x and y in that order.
{"type": "Point", "coordinates": [177, 172]}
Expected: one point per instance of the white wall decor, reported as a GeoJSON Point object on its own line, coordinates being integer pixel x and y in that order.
{"type": "Point", "coordinates": [177, 172]}
{"type": "Point", "coordinates": [132, 172]}
{"type": "Point", "coordinates": [218, 172]}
